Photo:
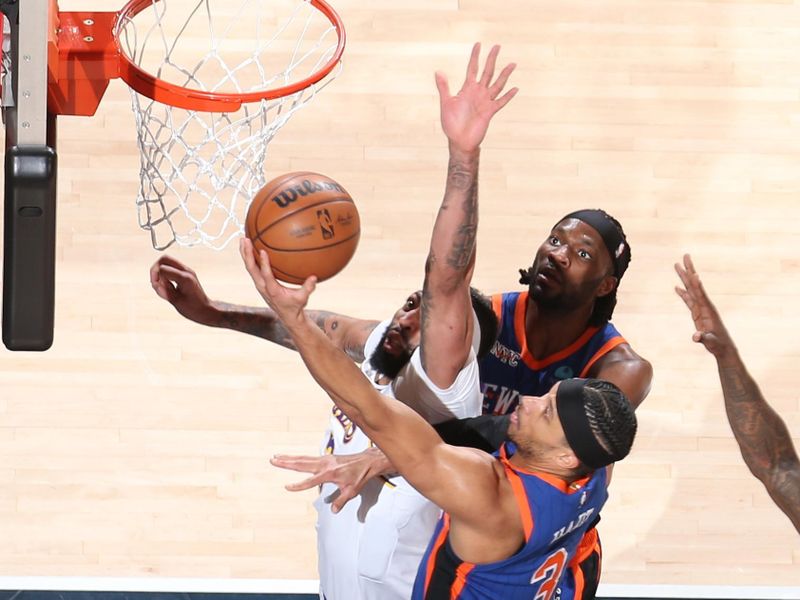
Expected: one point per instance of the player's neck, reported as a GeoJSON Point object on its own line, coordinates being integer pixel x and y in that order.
{"type": "Point", "coordinates": [532, 465]}
{"type": "Point", "coordinates": [548, 331]}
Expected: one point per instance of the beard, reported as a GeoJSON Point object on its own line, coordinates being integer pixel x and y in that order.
{"type": "Point", "coordinates": [387, 364]}
{"type": "Point", "coordinates": [528, 447]}
{"type": "Point", "coordinates": [567, 298]}
{"type": "Point", "coordinates": [563, 301]}
{"type": "Point", "coordinates": [525, 447]}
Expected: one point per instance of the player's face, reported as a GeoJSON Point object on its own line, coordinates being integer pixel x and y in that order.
{"type": "Point", "coordinates": [572, 267]}
{"type": "Point", "coordinates": [402, 335]}
{"type": "Point", "coordinates": [535, 426]}
{"type": "Point", "coordinates": [400, 339]}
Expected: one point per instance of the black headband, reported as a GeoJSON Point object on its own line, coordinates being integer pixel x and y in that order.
{"type": "Point", "coordinates": [578, 431]}
{"type": "Point", "coordinates": [613, 238]}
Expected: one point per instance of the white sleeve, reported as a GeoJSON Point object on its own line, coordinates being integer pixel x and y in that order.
{"type": "Point", "coordinates": [462, 399]}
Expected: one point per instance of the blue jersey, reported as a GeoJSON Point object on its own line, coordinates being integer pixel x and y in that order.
{"type": "Point", "coordinates": [555, 515]}
{"type": "Point", "coordinates": [510, 369]}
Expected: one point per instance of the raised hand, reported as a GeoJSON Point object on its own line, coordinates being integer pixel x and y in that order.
{"type": "Point", "coordinates": [178, 284]}
{"type": "Point", "coordinates": [288, 303]}
{"type": "Point", "coordinates": [349, 473]}
{"type": "Point", "coordinates": [709, 329]}
{"type": "Point", "coordinates": [466, 116]}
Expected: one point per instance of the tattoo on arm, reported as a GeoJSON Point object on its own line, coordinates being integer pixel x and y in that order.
{"type": "Point", "coordinates": [425, 319]}
{"type": "Point", "coordinates": [785, 491]}
{"type": "Point", "coordinates": [462, 182]}
{"type": "Point", "coordinates": [464, 177]}
{"type": "Point", "coordinates": [263, 323]}
{"type": "Point", "coordinates": [354, 348]}
{"type": "Point", "coordinates": [259, 322]}
{"type": "Point", "coordinates": [763, 438]}
{"type": "Point", "coordinates": [353, 345]}
{"type": "Point", "coordinates": [320, 317]}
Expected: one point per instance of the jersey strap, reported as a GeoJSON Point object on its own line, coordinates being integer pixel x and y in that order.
{"type": "Point", "coordinates": [520, 495]}
{"type": "Point", "coordinates": [518, 305]}
{"type": "Point", "coordinates": [445, 576]}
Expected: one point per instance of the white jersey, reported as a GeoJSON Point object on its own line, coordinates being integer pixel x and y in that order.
{"type": "Point", "coordinates": [372, 548]}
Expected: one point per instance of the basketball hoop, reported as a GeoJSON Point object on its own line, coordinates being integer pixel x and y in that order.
{"type": "Point", "coordinates": [210, 89]}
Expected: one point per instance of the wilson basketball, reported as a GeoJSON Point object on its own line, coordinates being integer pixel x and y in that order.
{"type": "Point", "coordinates": [307, 223]}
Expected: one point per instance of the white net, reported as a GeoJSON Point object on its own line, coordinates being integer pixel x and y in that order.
{"type": "Point", "coordinates": [200, 170]}
{"type": "Point", "coordinates": [6, 65]}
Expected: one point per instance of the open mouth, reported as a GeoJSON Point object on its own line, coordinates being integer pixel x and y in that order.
{"type": "Point", "coordinates": [394, 340]}
{"type": "Point", "coordinates": [548, 275]}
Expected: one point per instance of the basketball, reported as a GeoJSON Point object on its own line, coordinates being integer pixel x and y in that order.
{"type": "Point", "coordinates": [307, 223]}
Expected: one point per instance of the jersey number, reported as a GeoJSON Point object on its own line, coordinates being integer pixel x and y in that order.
{"type": "Point", "coordinates": [549, 574]}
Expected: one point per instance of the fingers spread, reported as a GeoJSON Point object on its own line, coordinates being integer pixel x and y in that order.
{"type": "Point", "coordinates": [306, 464]}
{"type": "Point", "coordinates": [502, 79]}
{"type": "Point", "coordinates": [472, 67]}
{"type": "Point", "coordinates": [344, 497]}
{"type": "Point", "coordinates": [684, 296]}
{"type": "Point", "coordinates": [306, 484]}
{"type": "Point", "coordinates": [687, 260]}
{"type": "Point", "coordinates": [684, 276]}
{"type": "Point", "coordinates": [505, 98]}
{"type": "Point", "coordinates": [691, 280]}
{"type": "Point", "coordinates": [488, 69]}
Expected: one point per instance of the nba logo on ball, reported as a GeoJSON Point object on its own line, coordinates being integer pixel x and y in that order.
{"type": "Point", "coordinates": [307, 223]}
{"type": "Point", "coordinates": [325, 223]}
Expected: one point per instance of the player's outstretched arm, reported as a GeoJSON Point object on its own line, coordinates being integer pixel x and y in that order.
{"type": "Point", "coordinates": [447, 323]}
{"type": "Point", "coordinates": [762, 435]}
{"type": "Point", "coordinates": [179, 285]}
{"type": "Point", "coordinates": [348, 472]}
{"type": "Point", "coordinates": [351, 472]}
{"type": "Point", "coordinates": [462, 481]}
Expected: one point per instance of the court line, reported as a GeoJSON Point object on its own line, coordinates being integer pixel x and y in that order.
{"type": "Point", "coordinates": [311, 586]}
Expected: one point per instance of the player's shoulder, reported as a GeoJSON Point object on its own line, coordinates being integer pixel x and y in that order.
{"type": "Point", "coordinates": [623, 366]}
{"type": "Point", "coordinates": [622, 355]}
{"type": "Point", "coordinates": [505, 307]}
{"type": "Point", "coordinates": [625, 352]}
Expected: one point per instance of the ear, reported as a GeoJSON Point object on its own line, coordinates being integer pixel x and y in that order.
{"type": "Point", "coordinates": [567, 460]}
{"type": "Point", "coordinates": [608, 285]}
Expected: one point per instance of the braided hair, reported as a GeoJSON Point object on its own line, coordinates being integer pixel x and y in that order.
{"type": "Point", "coordinates": [611, 417]}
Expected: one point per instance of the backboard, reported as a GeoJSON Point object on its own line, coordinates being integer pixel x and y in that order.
{"type": "Point", "coordinates": [30, 175]}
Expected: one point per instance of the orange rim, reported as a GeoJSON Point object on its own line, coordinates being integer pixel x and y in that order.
{"type": "Point", "coordinates": [181, 97]}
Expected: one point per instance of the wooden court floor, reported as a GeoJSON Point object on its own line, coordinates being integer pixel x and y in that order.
{"type": "Point", "coordinates": [138, 444]}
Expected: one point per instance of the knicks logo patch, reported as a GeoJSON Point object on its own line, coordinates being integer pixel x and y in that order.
{"type": "Point", "coordinates": [564, 372]}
